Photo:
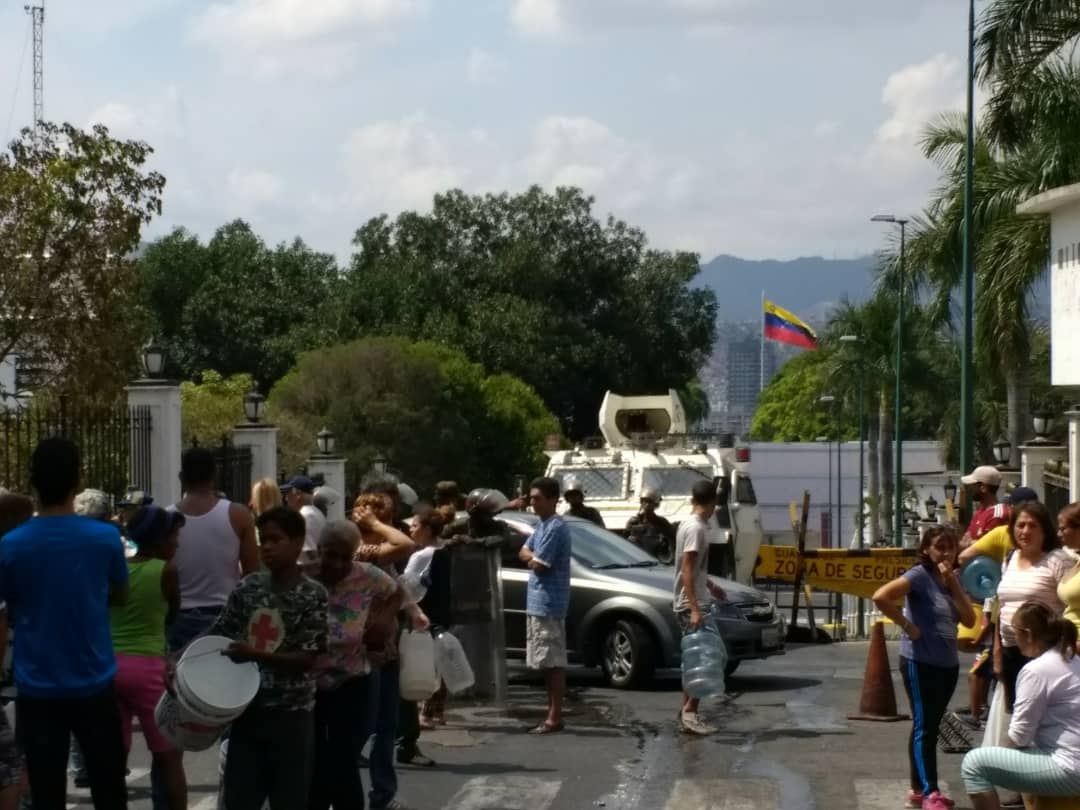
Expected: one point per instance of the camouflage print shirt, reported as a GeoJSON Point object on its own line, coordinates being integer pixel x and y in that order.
{"type": "Point", "coordinates": [283, 620]}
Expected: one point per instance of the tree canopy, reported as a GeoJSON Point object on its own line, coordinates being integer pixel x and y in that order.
{"type": "Point", "coordinates": [72, 206]}
{"type": "Point", "coordinates": [534, 286]}
{"type": "Point", "coordinates": [426, 408]}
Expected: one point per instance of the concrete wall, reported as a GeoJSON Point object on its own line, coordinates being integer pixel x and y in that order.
{"type": "Point", "coordinates": [781, 471]}
{"type": "Point", "coordinates": [1065, 295]}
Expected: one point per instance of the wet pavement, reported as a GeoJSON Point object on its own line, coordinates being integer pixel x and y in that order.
{"type": "Point", "coordinates": [785, 744]}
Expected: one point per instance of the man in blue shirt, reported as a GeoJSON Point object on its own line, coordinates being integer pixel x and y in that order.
{"type": "Point", "coordinates": [58, 573]}
{"type": "Point", "coordinates": [547, 553]}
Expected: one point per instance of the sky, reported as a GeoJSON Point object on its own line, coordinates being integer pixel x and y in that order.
{"type": "Point", "coordinates": [758, 128]}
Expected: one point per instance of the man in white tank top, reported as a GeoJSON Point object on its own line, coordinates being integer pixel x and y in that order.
{"type": "Point", "coordinates": [216, 547]}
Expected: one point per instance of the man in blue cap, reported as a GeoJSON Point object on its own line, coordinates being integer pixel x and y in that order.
{"type": "Point", "coordinates": [300, 497]}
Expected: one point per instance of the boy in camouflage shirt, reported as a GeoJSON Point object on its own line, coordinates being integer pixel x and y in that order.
{"type": "Point", "coordinates": [277, 619]}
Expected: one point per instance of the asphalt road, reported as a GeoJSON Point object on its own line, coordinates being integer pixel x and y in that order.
{"type": "Point", "coordinates": [785, 744]}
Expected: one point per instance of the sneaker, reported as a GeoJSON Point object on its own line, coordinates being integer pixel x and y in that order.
{"type": "Point", "coordinates": [414, 757]}
{"type": "Point", "coordinates": [915, 799]}
{"type": "Point", "coordinates": [935, 801]}
{"type": "Point", "coordinates": [691, 723]}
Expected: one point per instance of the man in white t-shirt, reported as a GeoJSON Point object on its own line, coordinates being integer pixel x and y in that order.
{"type": "Point", "coordinates": [694, 592]}
{"type": "Point", "coordinates": [300, 497]}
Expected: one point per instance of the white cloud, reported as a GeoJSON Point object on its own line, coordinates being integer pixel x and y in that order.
{"type": "Point", "coordinates": [160, 119]}
{"type": "Point", "coordinates": [550, 18]}
{"type": "Point", "coordinates": [538, 18]}
{"type": "Point", "coordinates": [484, 69]}
{"type": "Point", "coordinates": [269, 36]}
{"type": "Point", "coordinates": [254, 188]}
{"type": "Point", "coordinates": [918, 93]}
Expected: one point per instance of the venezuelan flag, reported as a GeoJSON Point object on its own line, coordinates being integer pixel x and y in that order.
{"type": "Point", "coordinates": [786, 327]}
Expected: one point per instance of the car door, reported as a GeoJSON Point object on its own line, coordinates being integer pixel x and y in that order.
{"type": "Point", "coordinates": [515, 581]}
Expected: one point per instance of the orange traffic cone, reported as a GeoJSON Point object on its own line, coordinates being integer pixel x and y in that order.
{"type": "Point", "coordinates": [878, 696]}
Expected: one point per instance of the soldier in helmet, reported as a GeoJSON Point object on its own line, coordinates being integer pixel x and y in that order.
{"type": "Point", "coordinates": [575, 501]}
{"type": "Point", "coordinates": [653, 532]}
{"type": "Point", "coordinates": [479, 525]}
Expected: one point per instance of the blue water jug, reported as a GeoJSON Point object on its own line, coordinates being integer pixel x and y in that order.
{"type": "Point", "coordinates": [980, 577]}
{"type": "Point", "coordinates": [704, 658]}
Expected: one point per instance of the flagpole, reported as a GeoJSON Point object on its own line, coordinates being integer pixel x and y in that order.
{"type": "Point", "coordinates": [761, 314]}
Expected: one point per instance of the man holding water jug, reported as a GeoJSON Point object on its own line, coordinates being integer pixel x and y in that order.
{"type": "Point", "coordinates": [694, 592]}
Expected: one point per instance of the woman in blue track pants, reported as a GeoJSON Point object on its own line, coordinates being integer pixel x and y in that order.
{"type": "Point", "coordinates": [934, 601]}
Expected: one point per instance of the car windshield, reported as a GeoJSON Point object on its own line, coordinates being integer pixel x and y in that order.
{"type": "Point", "coordinates": [675, 480]}
{"type": "Point", "coordinates": [594, 547]}
{"type": "Point", "coordinates": [596, 481]}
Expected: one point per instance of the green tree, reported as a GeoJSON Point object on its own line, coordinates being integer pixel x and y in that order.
{"type": "Point", "coordinates": [534, 286]}
{"type": "Point", "coordinates": [237, 306]}
{"type": "Point", "coordinates": [72, 206]}
{"type": "Point", "coordinates": [789, 410]}
{"type": "Point", "coordinates": [212, 407]}
{"type": "Point", "coordinates": [425, 407]}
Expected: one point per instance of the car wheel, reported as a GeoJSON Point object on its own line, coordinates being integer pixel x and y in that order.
{"type": "Point", "coordinates": [730, 667]}
{"type": "Point", "coordinates": [628, 654]}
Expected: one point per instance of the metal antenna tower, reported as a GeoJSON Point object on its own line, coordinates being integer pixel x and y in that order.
{"type": "Point", "coordinates": [37, 12]}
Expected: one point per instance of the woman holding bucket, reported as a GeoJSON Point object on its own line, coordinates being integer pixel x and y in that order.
{"type": "Point", "coordinates": [138, 633]}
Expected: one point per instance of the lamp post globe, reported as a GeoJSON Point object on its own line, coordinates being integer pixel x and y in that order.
{"type": "Point", "coordinates": [153, 359]}
{"type": "Point", "coordinates": [254, 406]}
{"type": "Point", "coordinates": [326, 441]}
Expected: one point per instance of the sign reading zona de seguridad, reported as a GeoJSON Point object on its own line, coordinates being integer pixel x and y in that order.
{"type": "Point", "coordinates": [858, 572]}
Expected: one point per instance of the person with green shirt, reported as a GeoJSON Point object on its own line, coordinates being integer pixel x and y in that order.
{"type": "Point", "coordinates": [138, 633]}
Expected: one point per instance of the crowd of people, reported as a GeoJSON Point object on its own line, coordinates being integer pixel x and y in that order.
{"type": "Point", "coordinates": [1024, 637]}
{"type": "Point", "coordinates": [102, 607]}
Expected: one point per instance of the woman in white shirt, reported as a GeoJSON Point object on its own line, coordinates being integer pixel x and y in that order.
{"type": "Point", "coordinates": [1045, 726]}
{"type": "Point", "coordinates": [1031, 574]}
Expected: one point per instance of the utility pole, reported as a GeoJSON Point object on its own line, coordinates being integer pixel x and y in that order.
{"type": "Point", "coordinates": [37, 13]}
{"type": "Point", "coordinates": [967, 286]}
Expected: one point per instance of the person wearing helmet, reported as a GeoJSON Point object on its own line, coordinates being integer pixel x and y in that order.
{"type": "Point", "coordinates": [653, 532]}
{"type": "Point", "coordinates": [575, 501]}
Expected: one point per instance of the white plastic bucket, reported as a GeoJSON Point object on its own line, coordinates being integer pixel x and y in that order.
{"type": "Point", "coordinates": [210, 685]}
{"type": "Point", "coordinates": [183, 729]}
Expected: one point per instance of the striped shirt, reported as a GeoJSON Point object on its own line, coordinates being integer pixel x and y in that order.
{"type": "Point", "coordinates": [549, 592]}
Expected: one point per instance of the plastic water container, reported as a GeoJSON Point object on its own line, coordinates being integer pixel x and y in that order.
{"type": "Point", "coordinates": [980, 577]}
{"type": "Point", "coordinates": [704, 658]}
{"type": "Point", "coordinates": [418, 678]}
{"type": "Point", "coordinates": [451, 663]}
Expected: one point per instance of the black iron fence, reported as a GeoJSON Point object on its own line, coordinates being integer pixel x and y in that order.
{"type": "Point", "coordinates": [113, 440]}
{"type": "Point", "coordinates": [1057, 493]}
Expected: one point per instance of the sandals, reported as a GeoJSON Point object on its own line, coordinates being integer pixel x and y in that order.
{"type": "Point", "coordinates": [547, 728]}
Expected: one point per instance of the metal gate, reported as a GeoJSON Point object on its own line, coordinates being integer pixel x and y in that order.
{"type": "Point", "coordinates": [113, 441]}
{"type": "Point", "coordinates": [1056, 488]}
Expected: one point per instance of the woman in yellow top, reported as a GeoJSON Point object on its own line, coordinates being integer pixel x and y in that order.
{"type": "Point", "coordinates": [1069, 587]}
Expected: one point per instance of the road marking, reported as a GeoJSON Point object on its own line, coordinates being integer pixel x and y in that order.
{"type": "Point", "coordinates": [137, 774]}
{"type": "Point", "coordinates": [206, 803]}
{"type": "Point", "coordinates": [723, 794]}
{"type": "Point", "coordinates": [505, 793]}
{"type": "Point", "coordinates": [885, 794]}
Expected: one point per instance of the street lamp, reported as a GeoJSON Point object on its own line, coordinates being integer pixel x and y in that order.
{"type": "Point", "coordinates": [855, 340]}
{"type": "Point", "coordinates": [950, 491]}
{"type": "Point", "coordinates": [833, 402]}
{"type": "Point", "coordinates": [153, 359]}
{"type": "Point", "coordinates": [1043, 422]}
{"type": "Point", "coordinates": [931, 505]}
{"type": "Point", "coordinates": [828, 487]}
{"type": "Point", "coordinates": [379, 464]}
{"type": "Point", "coordinates": [254, 406]}
{"type": "Point", "coordinates": [898, 458]}
{"type": "Point", "coordinates": [967, 285]}
{"type": "Point", "coordinates": [326, 442]}
{"type": "Point", "coordinates": [1002, 451]}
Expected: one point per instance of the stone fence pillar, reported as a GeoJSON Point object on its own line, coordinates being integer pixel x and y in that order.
{"type": "Point", "coordinates": [162, 399]}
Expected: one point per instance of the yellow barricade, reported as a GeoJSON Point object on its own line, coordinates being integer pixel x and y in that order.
{"type": "Point", "coordinates": [858, 572]}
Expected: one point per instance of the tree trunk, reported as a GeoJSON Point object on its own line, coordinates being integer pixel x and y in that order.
{"type": "Point", "coordinates": [885, 458]}
{"type": "Point", "coordinates": [874, 483]}
{"type": "Point", "coordinates": [1018, 399]}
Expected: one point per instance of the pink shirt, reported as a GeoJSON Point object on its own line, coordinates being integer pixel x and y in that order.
{"type": "Point", "coordinates": [347, 613]}
{"type": "Point", "coordinates": [1037, 583]}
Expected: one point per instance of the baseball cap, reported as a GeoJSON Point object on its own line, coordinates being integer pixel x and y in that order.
{"type": "Point", "coordinates": [302, 483]}
{"type": "Point", "coordinates": [983, 475]}
{"type": "Point", "coordinates": [1022, 495]}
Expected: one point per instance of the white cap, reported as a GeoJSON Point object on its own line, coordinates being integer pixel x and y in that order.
{"type": "Point", "coordinates": [983, 475]}
{"type": "Point", "coordinates": [408, 494]}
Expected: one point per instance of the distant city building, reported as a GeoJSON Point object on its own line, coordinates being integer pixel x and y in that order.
{"type": "Point", "coordinates": [736, 371]}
